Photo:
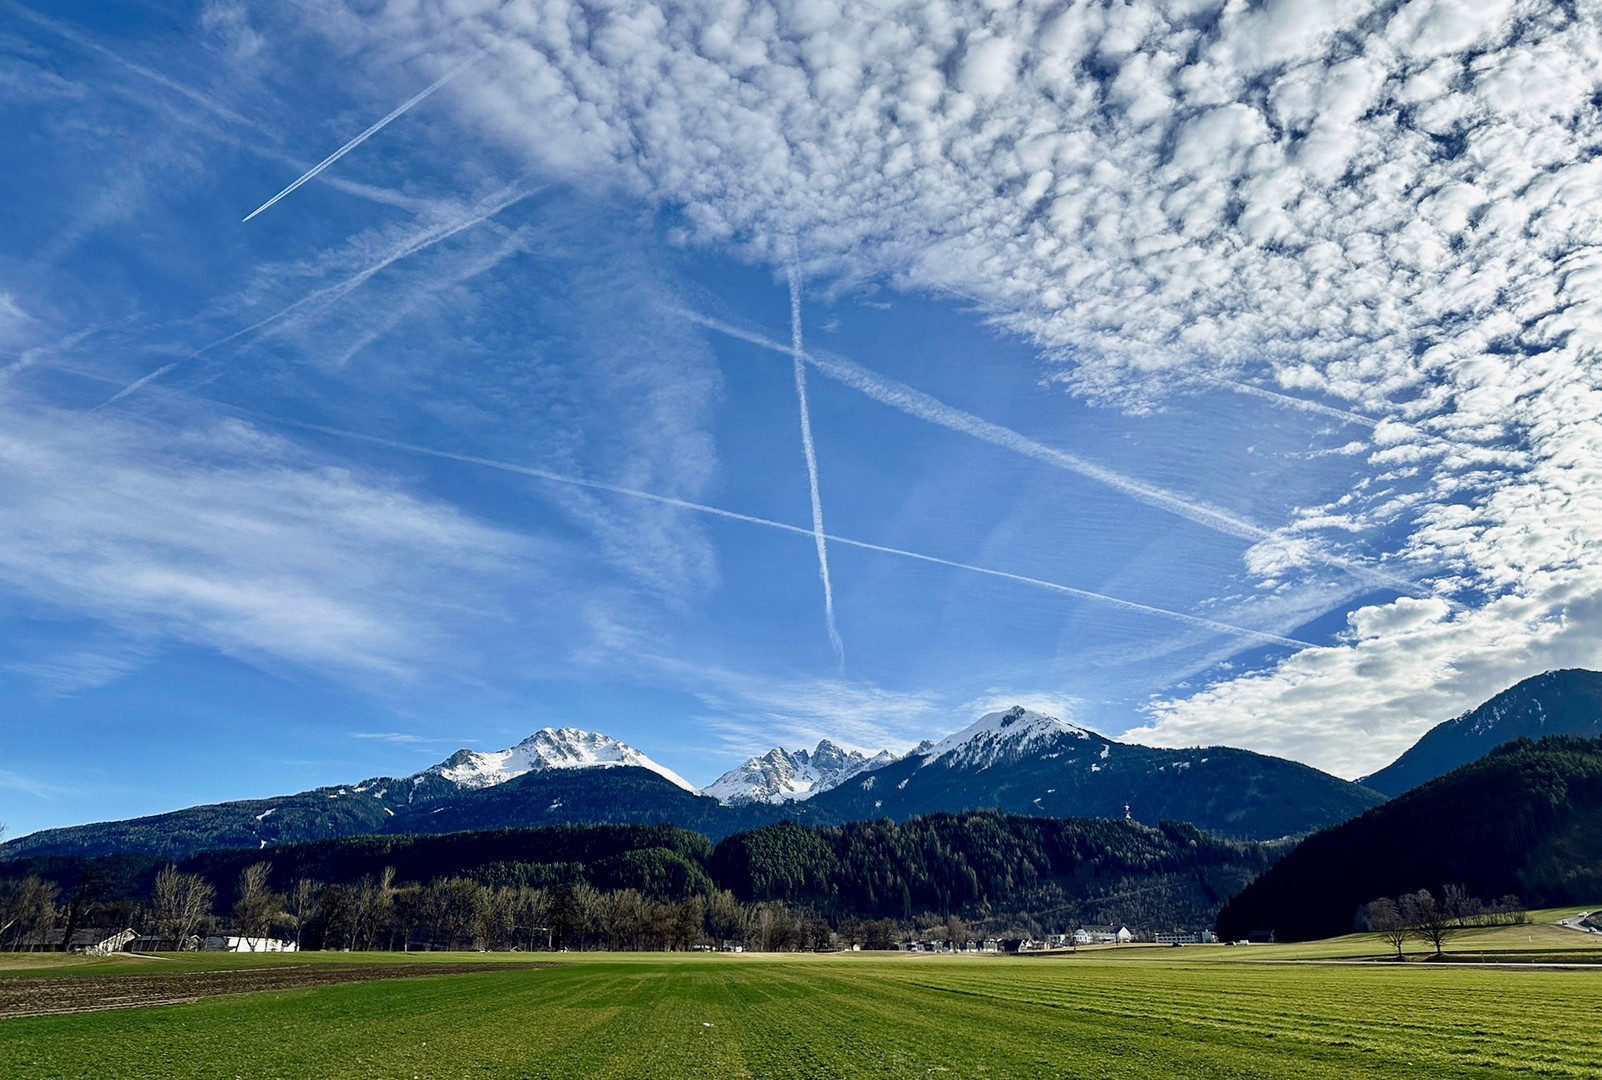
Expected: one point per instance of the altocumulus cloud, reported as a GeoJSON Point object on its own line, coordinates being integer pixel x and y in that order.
{"type": "Point", "coordinates": [1392, 205]}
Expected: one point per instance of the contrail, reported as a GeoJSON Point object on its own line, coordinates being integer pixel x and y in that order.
{"type": "Point", "coordinates": [514, 241]}
{"type": "Point", "coordinates": [1305, 406]}
{"type": "Point", "coordinates": [32, 357]}
{"type": "Point", "coordinates": [916, 403]}
{"type": "Point", "coordinates": [194, 96]}
{"type": "Point", "coordinates": [369, 133]}
{"type": "Point", "coordinates": [341, 289]}
{"type": "Point", "coordinates": [798, 354]}
{"type": "Point", "coordinates": [1212, 625]}
{"type": "Point", "coordinates": [209, 104]}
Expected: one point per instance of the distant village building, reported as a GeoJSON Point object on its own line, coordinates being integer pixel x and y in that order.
{"type": "Point", "coordinates": [239, 943]}
{"type": "Point", "coordinates": [95, 941]}
{"type": "Point", "coordinates": [1103, 935]}
{"type": "Point", "coordinates": [1177, 937]}
{"type": "Point", "coordinates": [157, 943]}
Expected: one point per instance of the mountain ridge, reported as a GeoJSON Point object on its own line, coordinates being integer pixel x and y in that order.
{"type": "Point", "coordinates": [1017, 761]}
{"type": "Point", "coordinates": [1024, 762]}
{"type": "Point", "coordinates": [1566, 701]}
{"type": "Point", "coordinates": [792, 775]}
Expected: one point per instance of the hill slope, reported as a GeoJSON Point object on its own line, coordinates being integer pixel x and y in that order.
{"type": "Point", "coordinates": [1556, 703]}
{"type": "Point", "coordinates": [1524, 819]}
{"type": "Point", "coordinates": [1064, 871]}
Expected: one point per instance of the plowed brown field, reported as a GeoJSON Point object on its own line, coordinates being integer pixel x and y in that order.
{"type": "Point", "coordinates": [50, 996]}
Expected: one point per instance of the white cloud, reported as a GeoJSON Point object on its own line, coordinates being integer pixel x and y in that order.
{"type": "Point", "coordinates": [750, 714]}
{"type": "Point", "coordinates": [13, 320]}
{"type": "Point", "coordinates": [1391, 204]}
{"type": "Point", "coordinates": [1352, 709]}
{"type": "Point", "coordinates": [221, 535]}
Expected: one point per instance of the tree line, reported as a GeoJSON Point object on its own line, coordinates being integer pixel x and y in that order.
{"type": "Point", "coordinates": [783, 885]}
{"type": "Point", "coordinates": [1420, 916]}
{"type": "Point", "coordinates": [453, 913]}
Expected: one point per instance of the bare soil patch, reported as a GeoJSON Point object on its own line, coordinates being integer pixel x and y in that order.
{"type": "Point", "coordinates": [52, 996]}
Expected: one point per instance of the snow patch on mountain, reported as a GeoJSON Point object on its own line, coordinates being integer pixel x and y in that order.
{"type": "Point", "coordinates": [1003, 736]}
{"type": "Point", "coordinates": [548, 748]}
{"type": "Point", "coordinates": [783, 775]}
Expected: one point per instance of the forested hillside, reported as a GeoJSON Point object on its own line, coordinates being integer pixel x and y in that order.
{"type": "Point", "coordinates": [1526, 820]}
{"type": "Point", "coordinates": [1075, 870]}
{"type": "Point", "coordinates": [995, 870]}
{"type": "Point", "coordinates": [661, 861]}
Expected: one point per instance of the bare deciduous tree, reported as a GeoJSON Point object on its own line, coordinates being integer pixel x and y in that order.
{"type": "Point", "coordinates": [1427, 919]}
{"type": "Point", "coordinates": [685, 925]}
{"type": "Point", "coordinates": [88, 885]}
{"type": "Point", "coordinates": [1384, 918]}
{"type": "Point", "coordinates": [27, 909]}
{"type": "Point", "coordinates": [182, 901]}
{"type": "Point", "coordinates": [258, 906]}
{"type": "Point", "coordinates": [956, 932]}
{"type": "Point", "coordinates": [375, 908]}
{"type": "Point", "coordinates": [532, 917]}
{"type": "Point", "coordinates": [301, 906]}
{"type": "Point", "coordinates": [456, 909]}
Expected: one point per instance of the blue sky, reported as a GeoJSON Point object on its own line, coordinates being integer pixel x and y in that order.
{"type": "Point", "coordinates": [1214, 376]}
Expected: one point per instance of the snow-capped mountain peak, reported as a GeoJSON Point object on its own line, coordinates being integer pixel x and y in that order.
{"type": "Point", "coordinates": [548, 748]}
{"type": "Point", "coordinates": [783, 775]}
{"type": "Point", "coordinates": [1003, 736]}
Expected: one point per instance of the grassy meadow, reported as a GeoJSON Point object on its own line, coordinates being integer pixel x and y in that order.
{"type": "Point", "coordinates": [1131, 1012]}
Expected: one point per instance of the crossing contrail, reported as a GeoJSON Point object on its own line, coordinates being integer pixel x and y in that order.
{"type": "Point", "coordinates": [1212, 625]}
{"type": "Point", "coordinates": [916, 403]}
{"type": "Point", "coordinates": [340, 289]}
{"type": "Point", "coordinates": [799, 355]}
{"type": "Point", "coordinates": [370, 132]}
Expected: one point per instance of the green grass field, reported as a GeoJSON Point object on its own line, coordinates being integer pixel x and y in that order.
{"type": "Point", "coordinates": [1133, 1013]}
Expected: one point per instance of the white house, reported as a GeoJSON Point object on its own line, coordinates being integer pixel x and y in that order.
{"type": "Point", "coordinates": [1103, 935]}
{"type": "Point", "coordinates": [239, 943]}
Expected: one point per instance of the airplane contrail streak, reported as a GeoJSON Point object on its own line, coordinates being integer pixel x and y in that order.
{"type": "Point", "coordinates": [340, 289]}
{"type": "Point", "coordinates": [1197, 621]}
{"type": "Point", "coordinates": [916, 403]}
{"type": "Point", "coordinates": [195, 97]}
{"type": "Point", "coordinates": [798, 354]}
{"type": "Point", "coordinates": [370, 132]}
{"type": "Point", "coordinates": [210, 105]}
{"type": "Point", "coordinates": [1305, 406]}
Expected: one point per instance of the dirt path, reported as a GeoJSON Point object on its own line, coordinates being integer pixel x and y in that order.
{"type": "Point", "coordinates": [51, 996]}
